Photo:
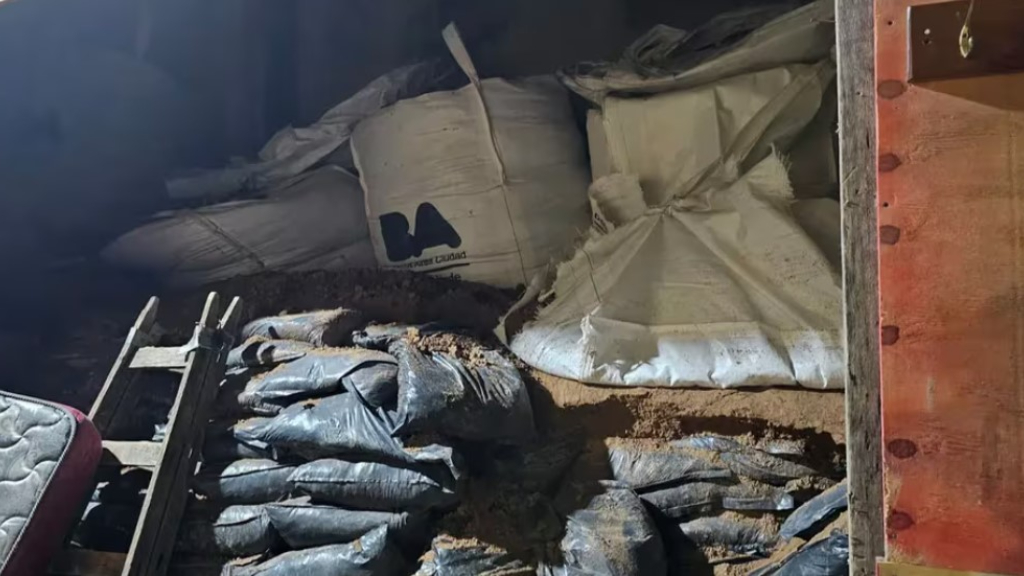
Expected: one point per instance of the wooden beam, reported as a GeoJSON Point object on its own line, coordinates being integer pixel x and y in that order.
{"type": "Point", "coordinates": [857, 159]}
{"type": "Point", "coordinates": [160, 358]}
{"type": "Point", "coordinates": [134, 454]}
{"type": "Point", "coordinates": [120, 377]}
{"type": "Point", "coordinates": [151, 548]}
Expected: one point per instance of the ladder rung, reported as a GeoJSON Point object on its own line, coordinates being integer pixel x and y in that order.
{"type": "Point", "coordinates": [140, 454]}
{"type": "Point", "coordinates": [73, 562]}
{"type": "Point", "coordinates": [160, 357]}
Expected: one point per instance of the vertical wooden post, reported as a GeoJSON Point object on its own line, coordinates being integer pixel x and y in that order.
{"type": "Point", "coordinates": [855, 50]}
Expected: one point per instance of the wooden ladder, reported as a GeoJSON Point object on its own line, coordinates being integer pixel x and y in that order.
{"type": "Point", "coordinates": [173, 461]}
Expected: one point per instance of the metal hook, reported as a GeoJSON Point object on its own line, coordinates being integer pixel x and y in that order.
{"type": "Point", "coordinates": [966, 38]}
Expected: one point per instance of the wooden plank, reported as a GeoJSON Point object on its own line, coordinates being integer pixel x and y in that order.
{"type": "Point", "coordinates": [162, 358]}
{"type": "Point", "coordinates": [997, 29]}
{"type": "Point", "coordinates": [151, 548]}
{"type": "Point", "coordinates": [890, 569]}
{"type": "Point", "coordinates": [951, 273]}
{"type": "Point", "coordinates": [120, 378]}
{"type": "Point", "coordinates": [855, 45]}
{"type": "Point", "coordinates": [125, 453]}
{"type": "Point", "coordinates": [73, 562]}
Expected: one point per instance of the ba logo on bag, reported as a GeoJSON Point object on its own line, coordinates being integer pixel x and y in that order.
{"type": "Point", "coordinates": [431, 230]}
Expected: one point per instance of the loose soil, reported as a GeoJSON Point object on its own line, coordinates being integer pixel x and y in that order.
{"type": "Point", "coordinates": [667, 413]}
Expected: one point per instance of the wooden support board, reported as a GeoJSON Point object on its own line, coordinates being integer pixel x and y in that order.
{"type": "Point", "coordinates": [114, 393]}
{"type": "Point", "coordinates": [951, 273]}
{"type": "Point", "coordinates": [855, 51]}
{"type": "Point", "coordinates": [172, 461]}
{"type": "Point", "coordinates": [165, 500]}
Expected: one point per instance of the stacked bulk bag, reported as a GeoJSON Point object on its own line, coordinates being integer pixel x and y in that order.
{"type": "Point", "coordinates": [721, 290]}
{"type": "Point", "coordinates": [314, 222]}
{"type": "Point", "coordinates": [486, 183]}
{"type": "Point", "coordinates": [673, 140]}
{"type": "Point", "coordinates": [697, 270]}
{"type": "Point", "coordinates": [664, 59]}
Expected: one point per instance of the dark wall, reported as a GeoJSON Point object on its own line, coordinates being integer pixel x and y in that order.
{"type": "Point", "coordinates": [101, 100]}
{"type": "Point", "coordinates": [341, 45]}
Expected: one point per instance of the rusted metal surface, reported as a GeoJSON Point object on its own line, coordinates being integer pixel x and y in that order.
{"type": "Point", "coordinates": [951, 286]}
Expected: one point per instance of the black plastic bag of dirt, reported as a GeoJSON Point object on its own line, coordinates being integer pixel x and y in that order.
{"type": "Point", "coordinates": [535, 467]}
{"type": "Point", "coordinates": [815, 513]}
{"type": "Point", "coordinates": [748, 462]}
{"type": "Point", "coordinates": [320, 328]}
{"type": "Point", "coordinates": [827, 557]}
{"type": "Point", "coordinates": [613, 536]}
{"type": "Point", "coordinates": [370, 555]}
{"type": "Point", "coordinates": [302, 524]}
{"type": "Point", "coordinates": [376, 384]}
{"type": "Point", "coordinates": [258, 352]}
{"type": "Point", "coordinates": [378, 486]}
{"type": "Point", "coordinates": [788, 448]}
{"type": "Point", "coordinates": [439, 393]}
{"type": "Point", "coordinates": [245, 482]}
{"type": "Point", "coordinates": [697, 498]}
{"type": "Point", "coordinates": [235, 531]}
{"type": "Point", "coordinates": [450, 556]}
{"type": "Point", "coordinates": [381, 336]}
{"type": "Point", "coordinates": [221, 444]}
{"type": "Point", "coordinates": [340, 426]}
{"type": "Point", "coordinates": [373, 375]}
{"type": "Point", "coordinates": [736, 534]}
{"type": "Point", "coordinates": [644, 466]}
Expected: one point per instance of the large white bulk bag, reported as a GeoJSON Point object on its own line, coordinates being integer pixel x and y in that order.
{"type": "Point", "coordinates": [721, 288]}
{"type": "Point", "coordinates": [701, 268]}
{"type": "Point", "coordinates": [677, 61]}
{"type": "Point", "coordinates": [314, 222]}
{"type": "Point", "coordinates": [486, 183]}
{"type": "Point", "coordinates": [673, 140]}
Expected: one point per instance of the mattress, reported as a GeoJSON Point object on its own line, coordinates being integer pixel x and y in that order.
{"type": "Point", "coordinates": [48, 459]}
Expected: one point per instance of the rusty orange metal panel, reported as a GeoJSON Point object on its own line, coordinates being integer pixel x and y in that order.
{"type": "Point", "coordinates": [951, 274]}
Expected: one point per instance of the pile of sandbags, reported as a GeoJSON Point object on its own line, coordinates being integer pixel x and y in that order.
{"type": "Point", "coordinates": [313, 459]}
{"type": "Point", "coordinates": [722, 500]}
